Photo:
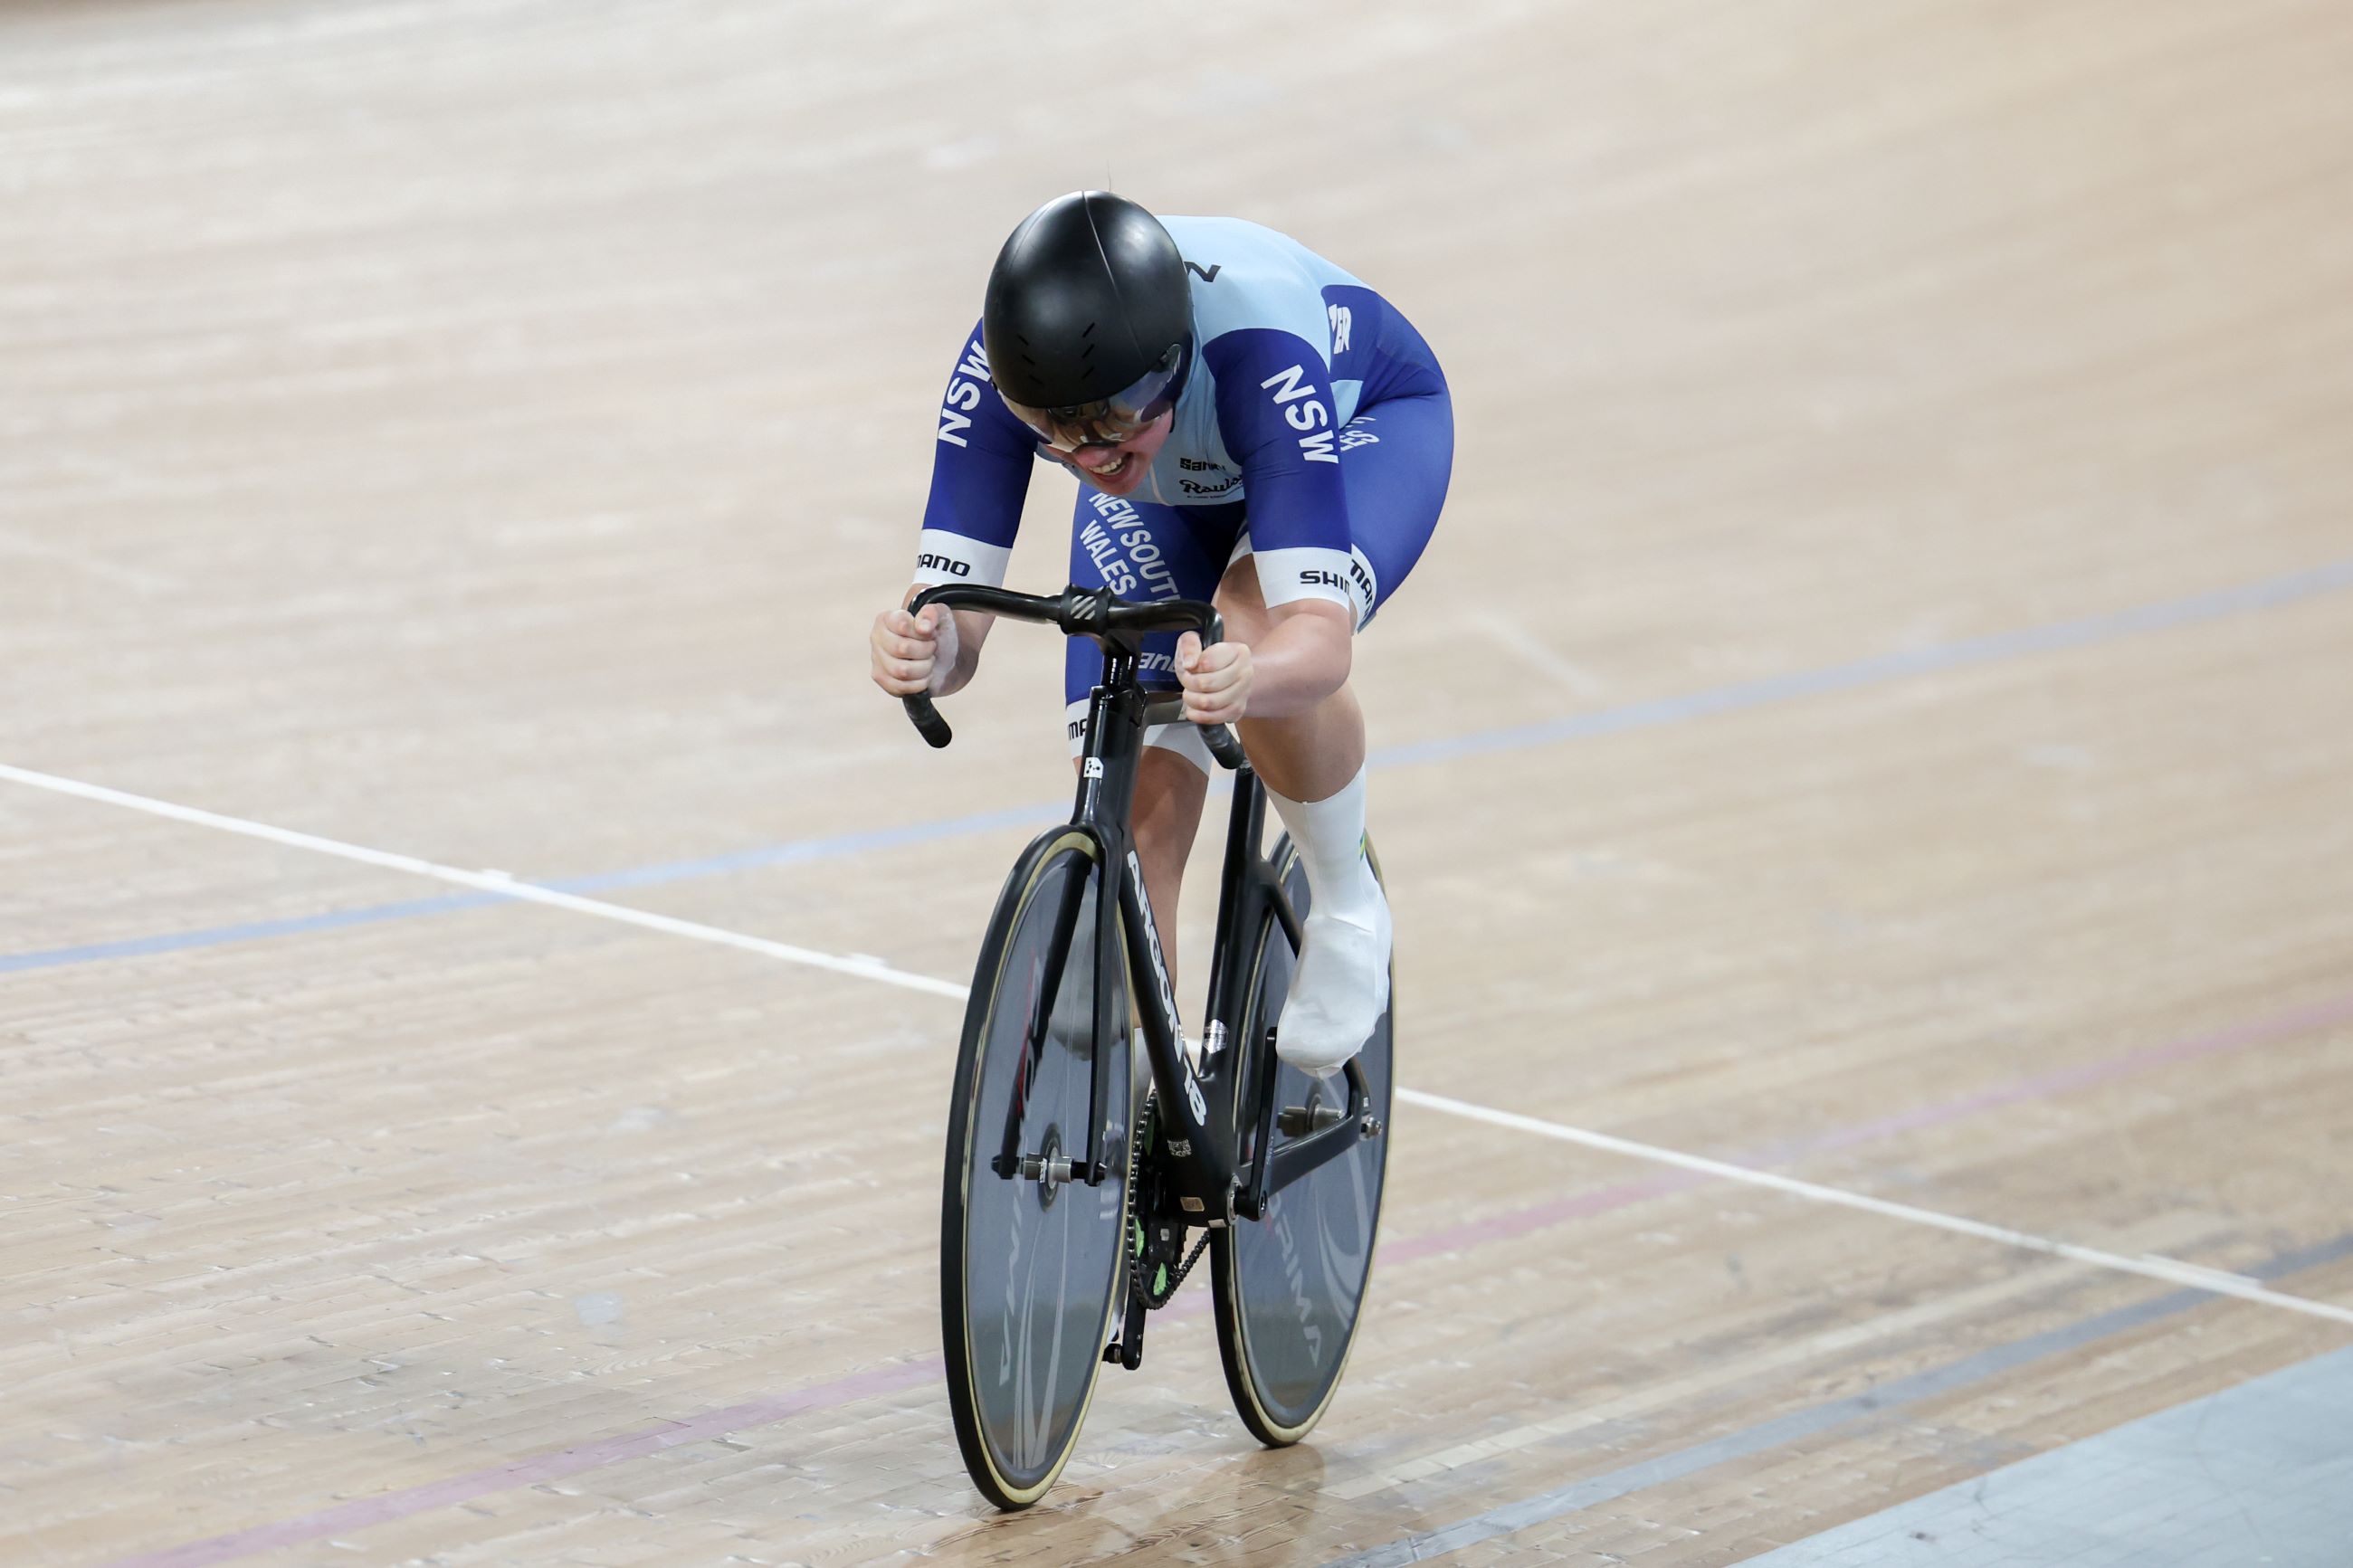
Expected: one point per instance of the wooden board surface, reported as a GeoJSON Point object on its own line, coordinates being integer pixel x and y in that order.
{"type": "Point", "coordinates": [1877, 710]}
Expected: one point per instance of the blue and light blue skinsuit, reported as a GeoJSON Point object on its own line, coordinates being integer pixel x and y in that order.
{"type": "Point", "coordinates": [1313, 434]}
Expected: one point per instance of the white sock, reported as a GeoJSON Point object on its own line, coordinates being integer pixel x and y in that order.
{"type": "Point", "coordinates": [1330, 834]}
{"type": "Point", "coordinates": [1342, 983]}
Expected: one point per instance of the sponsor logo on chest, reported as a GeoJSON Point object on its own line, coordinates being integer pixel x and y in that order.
{"type": "Point", "coordinates": [1204, 478]}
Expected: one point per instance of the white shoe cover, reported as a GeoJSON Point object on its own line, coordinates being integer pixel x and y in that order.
{"type": "Point", "coordinates": [1339, 993]}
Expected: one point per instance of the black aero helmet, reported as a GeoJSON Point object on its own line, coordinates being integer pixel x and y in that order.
{"type": "Point", "coordinates": [1088, 319]}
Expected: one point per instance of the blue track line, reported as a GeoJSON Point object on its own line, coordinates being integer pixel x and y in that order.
{"type": "Point", "coordinates": [248, 930]}
{"type": "Point", "coordinates": [1935, 659]}
{"type": "Point", "coordinates": [790, 854]}
{"type": "Point", "coordinates": [1938, 658]}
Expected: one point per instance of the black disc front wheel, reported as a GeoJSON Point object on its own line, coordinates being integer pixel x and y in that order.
{"type": "Point", "coordinates": [1030, 1254]}
{"type": "Point", "coordinates": [1290, 1285]}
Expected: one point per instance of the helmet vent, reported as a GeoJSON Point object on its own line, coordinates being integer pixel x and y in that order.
{"type": "Point", "coordinates": [1080, 289]}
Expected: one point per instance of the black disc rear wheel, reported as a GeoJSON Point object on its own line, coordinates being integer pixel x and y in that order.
{"type": "Point", "coordinates": [1031, 1260]}
{"type": "Point", "coordinates": [1290, 1286]}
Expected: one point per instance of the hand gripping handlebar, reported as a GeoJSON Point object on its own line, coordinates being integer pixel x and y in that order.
{"type": "Point", "coordinates": [1076, 611]}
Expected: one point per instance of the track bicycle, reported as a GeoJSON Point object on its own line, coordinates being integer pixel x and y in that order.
{"type": "Point", "coordinates": [1088, 1142]}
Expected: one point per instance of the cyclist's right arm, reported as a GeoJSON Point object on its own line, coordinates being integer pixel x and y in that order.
{"type": "Point", "coordinates": [980, 474]}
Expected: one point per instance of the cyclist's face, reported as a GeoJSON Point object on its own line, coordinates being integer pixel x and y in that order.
{"type": "Point", "coordinates": [1117, 470]}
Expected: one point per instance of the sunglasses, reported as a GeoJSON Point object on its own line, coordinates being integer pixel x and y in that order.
{"type": "Point", "coordinates": [1107, 421]}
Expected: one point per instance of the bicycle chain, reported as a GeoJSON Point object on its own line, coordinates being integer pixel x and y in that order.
{"type": "Point", "coordinates": [1186, 1266]}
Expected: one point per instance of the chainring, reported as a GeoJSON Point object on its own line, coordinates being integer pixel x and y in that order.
{"type": "Point", "coordinates": [1156, 1261]}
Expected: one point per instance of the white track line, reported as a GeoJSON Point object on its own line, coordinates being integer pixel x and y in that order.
{"type": "Point", "coordinates": [497, 883]}
{"type": "Point", "coordinates": [2165, 1269]}
{"type": "Point", "coordinates": [2212, 1280]}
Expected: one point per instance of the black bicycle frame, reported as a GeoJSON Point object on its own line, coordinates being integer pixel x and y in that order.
{"type": "Point", "coordinates": [1211, 1187]}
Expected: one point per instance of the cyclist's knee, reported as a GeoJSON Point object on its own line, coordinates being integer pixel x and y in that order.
{"type": "Point", "coordinates": [1169, 790]}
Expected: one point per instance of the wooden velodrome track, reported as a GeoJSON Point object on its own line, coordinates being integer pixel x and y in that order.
{"type": "Point", "coordinates": [1876, 712]}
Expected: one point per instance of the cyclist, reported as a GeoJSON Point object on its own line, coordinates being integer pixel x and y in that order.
{"type": "Point", "coordinates": [1249, 424]}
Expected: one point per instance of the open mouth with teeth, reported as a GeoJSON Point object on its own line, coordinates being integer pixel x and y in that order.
{"type": "Point", "coordinates": [1111, 471]}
